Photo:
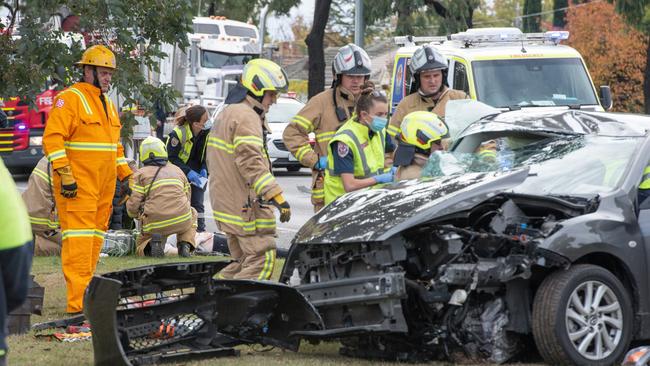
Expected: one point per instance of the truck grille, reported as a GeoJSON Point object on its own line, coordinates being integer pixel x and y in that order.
{"type": "Point", "coordinates": [280, 145]}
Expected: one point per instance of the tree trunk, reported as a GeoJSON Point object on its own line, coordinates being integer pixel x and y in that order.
{"type": "Point", "coordinates": [559, 19]}
{"type": "Point", "coordinates": [532, 23]}
{"type": "Point", "coordinates": [469, 17]}
{"type": "Point", "coordinates": [315, 49]}
{"type": "Point", "coordinates": [646, 80]}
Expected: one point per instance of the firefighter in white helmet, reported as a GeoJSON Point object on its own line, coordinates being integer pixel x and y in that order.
{"type": "Point", "coordinates": [429, 89]}
{"type": "Point", "coordinates": [242, 186]}
{"type": "Point", "coordinates": [161, 198]}
{"type": "Point", "coordinates": [325, 113]}
{"type": "Point", "coordinates": [421, 134]}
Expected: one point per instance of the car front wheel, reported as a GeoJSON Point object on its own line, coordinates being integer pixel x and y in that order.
{"type": "Point", "coordinates": [582, 316]}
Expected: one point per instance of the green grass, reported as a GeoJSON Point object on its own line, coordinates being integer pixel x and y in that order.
{"type": "Point", "coordinates": [28, 350]}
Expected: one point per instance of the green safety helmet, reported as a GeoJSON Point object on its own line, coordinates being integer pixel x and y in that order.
{"type": "Point", "coordinates": [421, 129]}
{"type": "Point", "coordinates": [152, 149]}
{"type": "Point", "coordinates": [260, 75]}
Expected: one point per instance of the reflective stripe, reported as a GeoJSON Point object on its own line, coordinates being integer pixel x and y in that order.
{"type": "Point", "coordinates": [184, 133]}
{"type": "Point", "coordinates": [121, 161]}
{"type": "Point", "coordinates": [269, 264]}
{"type": "Point", "coordinates": [43, 221]}
{"type": "Point", "coordinates": [158, 183]}
{"type": "Point", "coordinates": [265, 223]}
{"type": "Point", "coordinates": [234, 220]}
{"type": "Point", "coordinates": [303, 122]}
{"type": "Point", "coordinates": [112, 106]}
{"type": "Point", "coordinates": [262, 182]}
{"type": "Point", "coordinates": [82, 233]}
{"type": "Point", "coordinates": [43, 175]}
{"type": "Point", "coordinates": [168, 222]}
{"type": "Point", "coordinates": [221, 145]}
{"type": "Point", "coordinates": [90, 146]}
{"type": "Point", "coordinates": [84, 102]}
{"type": "Point", "coordinates": [362, 155]}
{"type": "Point", "coordinates": [393, 130]}
{"type": "Point", "coordinates": [55, 155]}
{"type": "Point", "coordinates": [318, 193]}
{"type": "Point", "coordinates": [253, 140]}
{"type": "Point", "coordinates": [302, 151]}
{"type": "Point", "coordinates": [325, 136]}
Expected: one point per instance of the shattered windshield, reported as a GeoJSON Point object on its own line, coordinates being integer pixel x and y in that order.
{"type": "Point", "coordinates": [533, 82]}
{"type": "Point", "coordinates": [563, 165]}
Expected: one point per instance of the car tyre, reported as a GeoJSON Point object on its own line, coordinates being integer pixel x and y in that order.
{"type": "Point", "coordinates": [569, 329]}
{"type": "Point", "coordinates": [293, 168]}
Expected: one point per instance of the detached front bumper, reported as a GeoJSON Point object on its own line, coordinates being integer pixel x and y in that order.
{"type": "Point", "coordinates": [178, 312]}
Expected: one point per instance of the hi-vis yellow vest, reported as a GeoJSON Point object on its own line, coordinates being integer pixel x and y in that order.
{"type": "Point", "coordinates": [15, 229]}
{"type": "Point", "coordinates": [368, 156]}
{"type": "Point", "coordinates": [184, 134]}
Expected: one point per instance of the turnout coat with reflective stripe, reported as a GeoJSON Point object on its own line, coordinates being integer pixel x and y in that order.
{"type": "Point", "coordinates": [415, 102]}
{"type": "Point", "coordinates": [167, 208]}
{"type": "Point", "coordinates": [317, 116]}
{"type": "Point", "coordinates": [39, 200]}
{"type": "Point", "coordinates": [240, 171]}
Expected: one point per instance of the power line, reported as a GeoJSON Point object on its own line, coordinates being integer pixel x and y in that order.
{"type": "Point", "coordinates": [536, 14]}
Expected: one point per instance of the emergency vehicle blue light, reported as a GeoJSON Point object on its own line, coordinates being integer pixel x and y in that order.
{"type": "Point", "coordinates": [556, 36]}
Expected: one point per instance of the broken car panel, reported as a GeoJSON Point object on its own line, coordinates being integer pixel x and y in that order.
{"type": "Point", "coordinates": [542, 241]}
{"type": "Point", "coordinates": [178, 312]}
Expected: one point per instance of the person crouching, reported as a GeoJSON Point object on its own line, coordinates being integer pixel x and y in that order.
{"type": "Point", "coordinates": [161, 201]}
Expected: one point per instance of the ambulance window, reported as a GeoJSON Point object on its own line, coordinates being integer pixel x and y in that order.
{"type": "Point", "coordinates": [460, 77]}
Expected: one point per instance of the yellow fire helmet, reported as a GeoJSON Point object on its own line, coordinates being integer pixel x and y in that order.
{"type": "Point", "coordinates": [98, 55]}
{"type": "Point", "coordinates": [152, 148]}
{"type": "Point", "coordinates": [422, 128]}
{"type": "Point", "coordinates": [260, 75]}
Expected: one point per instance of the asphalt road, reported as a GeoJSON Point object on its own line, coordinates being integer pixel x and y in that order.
{"type": "Point", "coordinates": [301, 208]}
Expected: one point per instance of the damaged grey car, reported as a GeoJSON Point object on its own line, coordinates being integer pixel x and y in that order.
{"type": "Point", "coordinates": [540, 243]}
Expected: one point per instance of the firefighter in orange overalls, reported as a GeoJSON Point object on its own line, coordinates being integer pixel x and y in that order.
{"type": "Point", "coordinates": [82, 141]}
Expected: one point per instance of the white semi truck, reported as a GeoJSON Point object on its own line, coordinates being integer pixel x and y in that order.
{"type": "Point", "coordinates": [211, 66]}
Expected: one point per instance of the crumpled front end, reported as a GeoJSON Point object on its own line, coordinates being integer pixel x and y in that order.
{"type": "Point", "coordinates": [178, 312]}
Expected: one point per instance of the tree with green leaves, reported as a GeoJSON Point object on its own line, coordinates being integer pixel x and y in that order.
{"type": "Point", "coordinates": [532, 18]}
{"type": "Point", "coordinates": [637, 13]}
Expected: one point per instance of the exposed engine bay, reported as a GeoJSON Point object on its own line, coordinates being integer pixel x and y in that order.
{"type": "Point", "coordinates": [459, 284]}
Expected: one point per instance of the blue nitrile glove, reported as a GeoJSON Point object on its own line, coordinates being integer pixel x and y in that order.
{"type": "Point", "coordinates": [384, 178]}
{"type": "Point", "coordinates": [321, 164]}
{"type": "Point", "coordinates": [204, 173]}
{"type": "Point", "coordinates": [194, 177]}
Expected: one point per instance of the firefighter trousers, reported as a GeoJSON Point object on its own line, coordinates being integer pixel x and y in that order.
{"type": "Point", "coordinates": [254, 257]}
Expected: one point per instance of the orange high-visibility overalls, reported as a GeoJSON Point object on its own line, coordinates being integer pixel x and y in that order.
{"type": "Point", "coordinates": [84, 134]}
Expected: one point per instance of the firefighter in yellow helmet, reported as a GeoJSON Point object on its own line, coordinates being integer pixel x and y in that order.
{"type": "Point", "coordinates": [242, 186]}
{"type": "Point", "coordinates": [82, 142]}
{"type": "Point", "coordinates": [421, 134]}
{"type": "Point", "coordinates": [325, 113]}
{"type": "Point", "coordinates": [161, 200]}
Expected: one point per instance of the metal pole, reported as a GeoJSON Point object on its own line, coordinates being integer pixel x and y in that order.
{"type": "Point", "coordinates": [358, 23]}
{"type": "Point", "coordinates": [262, 27]}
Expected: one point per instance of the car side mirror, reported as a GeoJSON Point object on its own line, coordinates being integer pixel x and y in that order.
{"type": "Point", "coordinates": [606, 97]}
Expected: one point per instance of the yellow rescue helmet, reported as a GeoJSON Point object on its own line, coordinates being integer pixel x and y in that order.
{"type": "Point", "coordinates": [260, 75]}
{"type": "Point", "coordinates": [422, 128]}
{"type": "Point", "coordinates": [98, 55]}
{"type": "Point", "coordinates": [152, 148]}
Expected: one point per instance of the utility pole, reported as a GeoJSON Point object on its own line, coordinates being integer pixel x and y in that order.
{"type": "Point", "coordinates": [518, 18]}
{"type": "Point", "coordinates": [358, 23]}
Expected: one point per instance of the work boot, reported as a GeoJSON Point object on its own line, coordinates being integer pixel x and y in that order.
{"type": "Point", "coordinates": [157, 246]}
{"type": "Point", "coordinates": [184, 249]}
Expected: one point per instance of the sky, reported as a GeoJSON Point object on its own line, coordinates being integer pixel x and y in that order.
{"type": "Point", "coordinates": [279, 27]}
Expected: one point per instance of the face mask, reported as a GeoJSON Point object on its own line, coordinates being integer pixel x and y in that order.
{"type": "Point", "coordinates": [208, 124]}
{"type": "Point", "coordinates": [378, 123]}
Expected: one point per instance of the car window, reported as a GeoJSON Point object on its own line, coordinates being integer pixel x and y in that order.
{"type": "Point", "coordinates": [401, 81]}
{"type": "Point", "coordinates": [283, 112]}
{"type": "Point", "coordinates": [206, 28]}
{"type": "Point", "coordinates": [578, 164]}
{"type": "Point", "coordinates": [233, 30]}
{"type": "Point", "coordinates": [216, 60]}
{"type": "Point", "coordinates": [460, 77]}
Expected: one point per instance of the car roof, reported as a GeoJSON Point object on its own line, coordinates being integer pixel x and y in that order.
{"type": "Point", "coordinates": [497, 51]}
{"type": "Point", "coordinates": [563, 121]}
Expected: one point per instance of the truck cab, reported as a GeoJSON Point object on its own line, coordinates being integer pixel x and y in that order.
{"type": "Point", "coordinates": [507, 69]}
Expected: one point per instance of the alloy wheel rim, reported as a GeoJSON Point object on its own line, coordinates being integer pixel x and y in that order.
{"type": "Point", "coordinates": [594, 320]}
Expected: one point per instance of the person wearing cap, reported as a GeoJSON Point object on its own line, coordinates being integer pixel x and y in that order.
{"type": "Point", "coordinates": [82, 142]}
{"type": "Point", "coordinates": [161, 201]}
{"type": "Point", "coordinates": [242, 186]}
{"type": "Point", "coordinates": [429, 89]}
{"type": "Point", "coordinates": [325, 113]}
{"type": "Point", "coordinates": [186, 148]}
{"type": "Point", "coordinates": [421, 134]}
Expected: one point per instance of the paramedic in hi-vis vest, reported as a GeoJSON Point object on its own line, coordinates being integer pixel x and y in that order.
{"type": "Point", "coordinates": [82, 141]}
{"type": "Point", "coordinates": [242, 188]}
{"type": "Point", "coordinates": [325, 113]}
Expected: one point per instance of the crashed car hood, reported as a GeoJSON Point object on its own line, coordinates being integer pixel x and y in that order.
{"type": "Point", "coordinates": [378, 213]}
